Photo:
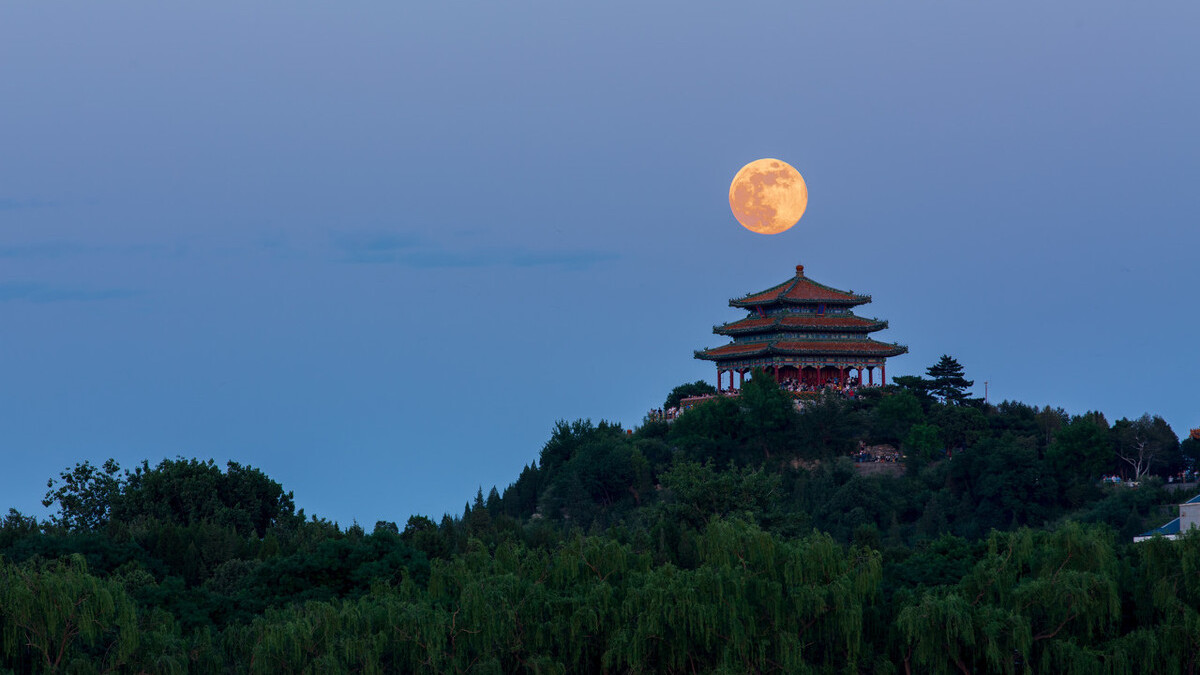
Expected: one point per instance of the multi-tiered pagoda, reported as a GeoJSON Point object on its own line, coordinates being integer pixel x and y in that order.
{"type": "Point", "coordinates": [805, 333]}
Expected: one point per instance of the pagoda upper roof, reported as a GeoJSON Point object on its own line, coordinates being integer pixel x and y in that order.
{"type": "Point", "coordinates": [802, 348]}
{"type": "Point", "coordinates": [800, 290]}
{"type": "Point", "coordinates": [764, 324]}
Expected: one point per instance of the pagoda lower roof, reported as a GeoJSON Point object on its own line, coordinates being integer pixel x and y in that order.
{"type": "Point", "coordinates": [763, 324]}
{"type": "Point", "coordinates": [802, 348]}
{"type": "Point", "coordinates": [800, 290]}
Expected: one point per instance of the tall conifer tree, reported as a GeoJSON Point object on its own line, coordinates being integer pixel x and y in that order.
{"type": "Point", "coordinates": [948, 382]}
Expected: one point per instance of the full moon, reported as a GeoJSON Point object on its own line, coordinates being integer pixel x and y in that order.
{"type": "Point", "coordinates": [768, 196]}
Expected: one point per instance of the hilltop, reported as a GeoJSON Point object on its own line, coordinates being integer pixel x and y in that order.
{"type": "Point", "coordinates": [743, 536]}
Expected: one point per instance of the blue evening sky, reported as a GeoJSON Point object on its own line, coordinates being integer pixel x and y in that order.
{"type": "Point", "coordinates": [376, 249]}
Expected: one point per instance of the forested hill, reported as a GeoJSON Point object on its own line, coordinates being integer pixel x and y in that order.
{"type": "Point", "coordinates": [740, 538]}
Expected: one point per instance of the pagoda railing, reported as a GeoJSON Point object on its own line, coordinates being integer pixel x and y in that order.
{"type": "Point", "coordinates": [858, 299]}
{"type": "Point", "coordinates": [770, 344]}
{"type": "Point", "coordinates": [882, 323]}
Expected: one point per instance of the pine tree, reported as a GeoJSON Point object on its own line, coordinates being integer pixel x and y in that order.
{"type": "Point", "coordinates": [948, 382]}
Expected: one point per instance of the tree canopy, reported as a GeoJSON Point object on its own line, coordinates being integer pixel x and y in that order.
{"type": "Point", "coordinates": [946, 381]}
{"type": "Point", "coordinates": [746, 536]}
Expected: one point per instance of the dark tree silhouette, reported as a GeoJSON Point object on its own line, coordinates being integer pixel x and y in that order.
{"type": "Point", "coordinates": [947, 382]}
{"type": "Point", "coordinates": [697, 388]}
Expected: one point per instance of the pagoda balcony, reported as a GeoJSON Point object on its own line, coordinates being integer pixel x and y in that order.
{"type": "Point", "coordinates": [862, 300]}
{"type": "Point", "coordinates": [880, 324]}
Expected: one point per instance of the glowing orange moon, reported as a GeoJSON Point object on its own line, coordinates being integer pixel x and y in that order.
{"type": "Point", "coordinates": [768, 196]}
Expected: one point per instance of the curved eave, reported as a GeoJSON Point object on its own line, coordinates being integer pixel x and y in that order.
{"type": "Point", "coordinates": [800, 290]}
{"type": "Point", "coordinates": [826, 324]}
{"type": "Point", "coordinates": [745, 303]}
{"type": "Point", "coordinates": [834, 348]}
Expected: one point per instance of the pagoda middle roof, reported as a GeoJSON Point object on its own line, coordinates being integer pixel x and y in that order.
{"type": "Point", "coordinates": [762, 324]}
{"type": "Point", "coordinates": [803, 348]}
{"type": "Point", "coordinates": [800, 289]}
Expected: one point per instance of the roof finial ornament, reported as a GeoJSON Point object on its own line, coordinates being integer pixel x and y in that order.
{"type": "Point", "coordinates": [799, 270]}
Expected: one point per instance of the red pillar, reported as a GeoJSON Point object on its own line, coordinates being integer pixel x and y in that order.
{"type": "Point", "coordinates": [871, 376]}
{"type": "Point", "coordinates": [882, 374]}
{"type": "Point", "coordinates": [741, 378]}
{"type": "Point", "coordinates": [776, 369]}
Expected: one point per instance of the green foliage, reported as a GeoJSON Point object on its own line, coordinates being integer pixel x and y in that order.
{"type": "Point", "coordinates": [1169, 601]}
{"type": "Point", "coordinates": [335, 568]}
{"type": "Point", "coordinates": [738, 538]}
{"type": "Point", "coordinates": [828, 427]}
{"type": "Point", "coordinates": [1132, 511]}
{"type": "Point", "coordinates": [1030, 600]}
{"type": "Point", "coordinates": [16, 527]}
{"type": "Point", "coordinates": [696, 493]}
{"type": "Point", "coordinates": [592, 474]}
{"type": "Point", "coordinates": [961, 426]}
{"type": "Point", "coordinates": [1145, 445]}
{"type": "Point", "coordinates": [422, 534]}
{"type": "Point", "coordinates": [946, 381]}
{"type": "Point", "coordinates": [1189, 451]}
{"type": "Point", "coordinates": [697, 388]}
{"type": "Point", "coordinates": [916, 386]}
{"type": "Point", "coordinates": [1079, 454]}
{"type": "Point", "coordinates": [769, 415]}
{"type": "Point", "coordinates": [186, 491]}
{"type": "Point", "coordinates": [1009, 486]}
{"type": "Point", "coordinates": [922, 445]}
{"type": "Point", "coordinates": [58, 618]}
{"type": "Point", "coordinates": [940, 562]}
{"type": "Point", "coordinates": [755, 603]}
{"type": "Point", "coordinates": [85, 495]}
{"type": "Point", "coordinates": [894, 416]}
{"type": "Point", "coordinates": [712, 430]}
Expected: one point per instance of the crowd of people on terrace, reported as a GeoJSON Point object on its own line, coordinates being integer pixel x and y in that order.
{"type": "Point", "coordinates": [794, 385]}
{"type": "Point", "coordinates": [658, 414]}
{"type": "Point", "coordinates": [791, 385]}
{"type": "Point", "coordinates": [876, 453]}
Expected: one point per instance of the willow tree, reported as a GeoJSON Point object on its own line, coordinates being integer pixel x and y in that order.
{"type": "Point", "coordinates": [755, 603]}
{"type": "Point", "coordinates": [1046, 601]}
{"type": "Point", "coordinates": [58, 618]}
{"type": "Point", "coordinates": [1170, 601]}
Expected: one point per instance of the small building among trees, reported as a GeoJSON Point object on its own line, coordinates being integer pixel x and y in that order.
{"type": "Point", "coordinates": [1189, 517]}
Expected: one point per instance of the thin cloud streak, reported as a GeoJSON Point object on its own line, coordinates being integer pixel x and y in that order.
{"type": "Point", "coordinates": [38, 293]}
{"type": "Point", "coordinates": [575, 260]}
{"type": "Point", "coordinates": [10, 204]}
{"type": "Point", "coordinates": [374, 247]}
{"type": "Point", "coordinates": [408, 250]}
{"type": "Point", "coordinates": [53, 249]}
